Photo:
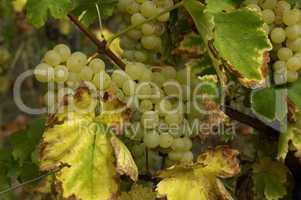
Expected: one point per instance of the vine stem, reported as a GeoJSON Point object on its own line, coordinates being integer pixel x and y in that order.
{"type": "Point", "coordinates": [101, 45]}
{"type": "Point", "coordinates": [132, 27]}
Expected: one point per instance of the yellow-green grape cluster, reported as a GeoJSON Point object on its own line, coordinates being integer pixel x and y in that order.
{"type": "Point", "coordinates": [283, 23]}
{"type": "Point", "coordinates": [67, 69]}
{"type": "Point", "coordinates": [161, 97]}
{"type": "Point", "coordinates": [143, 44]}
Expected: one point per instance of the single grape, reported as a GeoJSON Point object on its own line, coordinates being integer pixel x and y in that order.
{"type": "Point", "coordinates": [44, 73]}
{"type": "Point", "coordinates": [76, 61]}
{"type": "Point", "coordinates": [278, 35]}
{"type": "Point", "coordinates": [122, 5]}
{"type": "Point", "coordinates": [163, 107]}
{"type": "Point", "coordinates": [97, 65]}
{"type": "Point", "coordinates": [140, 56]}
{"type": "Point", "coordinates": [151, 139]}
{"type": "Point", "coordinates": [61, 74]}
{"type": "Point", "coordinates": [146, 75]}
{"type": "Point", "coordinates": [129, 55]}
{"type": "Point", "coordinates": [137, 18]}
{"type": "Point", "coordinates": [148, 9]}
{"type": "Point", "coordinates": [291, 17]}
{"type": "Point", "coordinates": [292, 76]}
{"type": "Point", "coordinates": [175, 155]}
{"type": "Point", "coordinates": [146, 105]}
{"type": "Point", "coordinates": [86, 73]}
{"type": "Point", "coordinates": [187, 144]}
{"type": "Point", "coordinates": [173, 88]}
{"type": "Point", "coordinates": [279, 66]}
{"type": "Point", "coordinates": [119, 77]}
{"type": "Point", "coordinates": [294, 64]}
{"type": "Point", "coordinates": [151, 42]}
{"type": "Point", "coordinates": [134, 34]}
{"type": "Point", "coordinates": [129, 87]}
{"type": "Point", "coordinates": [164, 17]}
{"type": "Point", "coordinates": [158, 79]}
{"type": "Point", "coordinates": [144, 90]}
{"type": "Point", "coordinates": [150, 119]}
{"type": "Point", "coordinates": [4, 55]}
{"type": "Point", "coordinates": [133, 7]}
{"type": "Point", "coordinates": [138, 150]}
{"type": "Point", "coordinates": [127, 43]}
{"type": "Point", "coordinates": [134, 70]}
{"type": "Point", "coordinates": [169, 72]}
{"type": "Point", "coordinates": [294, 45]}
{"type": "Point", "coordinates": [178, 144]}
{"type": "Point", "coordinates": [102, 80]}
{"type": "Point", "coordinates": [50, 98]}
{"type": "Point", "coordinates": [174, 118]}
{"type": "Point", "coordinates": [284, 53]}
{"type": "Point", "coordinates": [64, 51]}
{"type": "Point", "coordinates": [52, 58]}
{"type": "Point", "coordinates": [269, 4]}
{"type": "Point", "coordinates": [281, 7]}
{"type": "Point", "coordinates": [254, 7]}
{"type": "Point", "coordinates": [166, 140]}
{"type": "Point", "coordinates": [280, 78]}
{"type": "Point", "coordinates": [148, 29]}
{"type": "Point", "coordinates": [187, 156]}
{"type": "Point", "coordinates": [268, 16]}
{"type": "Point", "coordinates": [293, 32]}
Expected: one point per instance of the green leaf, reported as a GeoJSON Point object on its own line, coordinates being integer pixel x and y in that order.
{"type": "Point", "coordinates": [200, 181]}
{"type": "Point", "coordinates": [294, 93]}
{"type": "Point", "coordinates": [241, 41]}
{"type": "Point", "coordinates": [139, 192]}
{"type": "Point", "coordinates": [37, 10]}
{"type": "Point", "coordinates": [235, 39]}
{"type": "Point", "coordinates": [124, 159]}
{"type": "Point", "coordinates": [269, 178]}
{"type": "Point", "coordinates": [87, 11]}
{"type": "Point", "coordinates": [192, 45]}
{"type": "Point", "coordinates": [221, 5]}
{"type": "Point", "coordinates": [85, 147]}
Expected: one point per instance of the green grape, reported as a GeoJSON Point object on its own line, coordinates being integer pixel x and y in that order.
{"type": "Point", "coordinates": [122, 5]}
{"type": "Point", "coordinates": [137, 18]}
{"type": "Point", "coordinates": [173, 88]}
{"type": "Point", "coordinates": [61, 74]}
{"type": "Point", "coordinates": [150, 119]}
{"type": "Point", "coordinates": [151, 139]}
{"type": "Point", "coordinates": [268, 16]}
{"type": "Point", "coordinates": [138, 150]}
{"type": "Point", "coordinates": [163, 107]}
{"type": "Point", "coordinates": [174, 118]}
{"type": "Point", "coordinates": [269, 4]}
{"type": "Point", "coordinates": [280, 78]}
{"type": "Point", "coordinates": [129, 87]}
{"type": "Point", "coordinates": [294, 64]}
{"type": "Point", "coordinates": [140, 56]}
{"type": "Point", "coordinates": [148, 9]}
{"type": "Point", "coordinates": [178, 144]}
{"type": "Point", "coordinates": [184, 76]}
{"type": "Point", "coordinates": [148, 29]}
{"type": "Point", "coordinates": [175, 155]}
{"type": "Point", "coordinates": [64, 51]}
{"type": "Point", "coordinates": [134, 70]}
{"type": "Point", "coordinates": [158, 79]}
{"type": "Point", "coordinates": [76, 61]}
{"type": "Point", "coordinates": [187, 144]}
{"type": "Point", "coordinates": [278, 35]}
{"type": "Point", "coordinates": [134, 34]}
{"type": "Point", "coordinates": [140, 1]}
{"type": "Point", "coordinates": [133, 7]}
{"type": "Point", "coordinates": [187, 156]}
{"type": "Point", "coordinates": [119, 77]}
{"type": "Point", "coordinates": [279, 66]}
{"type": "Point", "coordinates": [284, 53]}
{"type": "Point", "coordinates": [50, 98]}
{"type": "Point", "coordinates": [146, 75]}
{"type": "Point", "coordinates": [146, 105]}
{"type": "Point", "coordinates": [164, 17]}
{"type": "Point", "coordinates": [86, 73]}
{"type": "Point", "coordinates": [157, 94]}
{"type": "Point", "coordinates": [102, 80]}
{"type": "Point", "coordinates": [164, 3]}
{"type": "Point", "coordinates": [52, 58]}
{"type": "Point", "coordinates": [160, 29]}
{"type": "Point", "coordinates": [281, 7]}
{"type": "Point", "coordinates": [4, 56]}
{"type": "Point", "coordinates": [127, 43]}
{"type": "Point", "coordinates": [151, 42]}
{"type": "Point", "coordinates": [97, 65]}
{"type": "Point", "coordinates": [294, 45]}
{"type": "Point", "coordinates": [169, 72]}
{"type": "Point", "coordinates": [74, 77]}
{"type": "Point", "coordinates": [62, 92]}
{"type": "Point", "coordinates": [44, 73]}
{"type": "Point", "coordinates": [292, 76]}
{"type": "Point", "coordinates": [291, 17]}
{"type": "Point", "coordinates": [129, 55]}
{"type": "Point", "coordinates": [293, 32]}
{"type": "Point", "coordinates": [298, 55]}
{"type": "Point", "coordinates": [166, 140]}
{"type": "Point", "coordinates": [254, 7]}
{"type": "Point", "coordinates": [144, 90]}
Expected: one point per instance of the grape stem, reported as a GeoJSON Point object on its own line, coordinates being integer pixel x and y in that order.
{"type": "Point", "coordinates": [132, 27]}
{"type": "Point", "coordinates": [101, 45]}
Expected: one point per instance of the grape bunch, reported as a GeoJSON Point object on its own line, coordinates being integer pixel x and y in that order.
{"type": "Point", "coordinates": [68, 70]}
{"type": "Point", "coordinates": [144, 43]}
{"type": "Point", "coordinates": [283, 23]}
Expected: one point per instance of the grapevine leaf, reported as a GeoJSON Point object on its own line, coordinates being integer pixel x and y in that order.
{"type": "Point", "coordinates": [269, 178]}
{"type": "Point", "coordinates": [124, 159]}
{"type": "Point", "coordinates": [200, 180]}
{"type": "Point", "coordinates": [37, 10]}
{"type": "Point", "coordinates": [242, 42]}
{"type": "Point", "coordinates": [221, 5]}
{"type": "Point", "coordinates": [139, 192]}
{"type": "Point", "coordinates": [84, 145]}
{"type": "Point", "coordinates": [87, 10]}
{"type": "Point", "coordinates": [294, 93]}
{"type": "Point", "coordinates": [192, 45]}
